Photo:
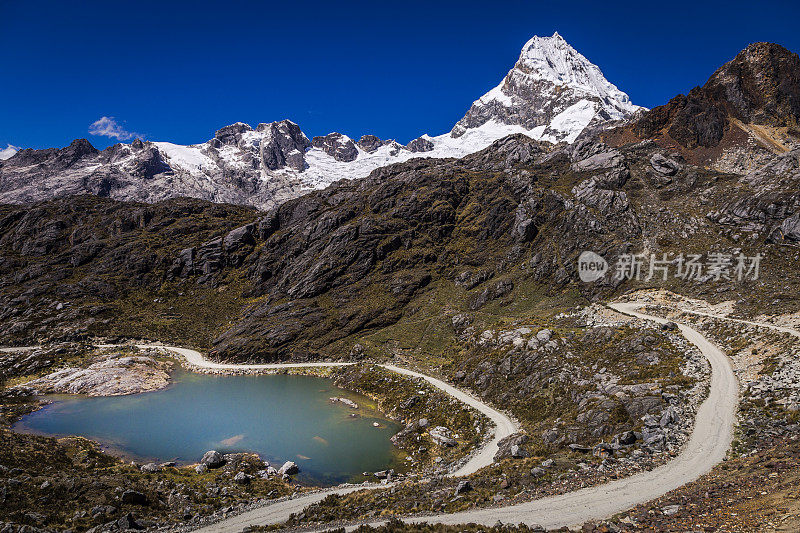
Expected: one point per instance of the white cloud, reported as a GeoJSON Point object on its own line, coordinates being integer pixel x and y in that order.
{"type": "Point", "coordinates": [7, 152]}
{"type": "Point", "coordinates": [108, 127]}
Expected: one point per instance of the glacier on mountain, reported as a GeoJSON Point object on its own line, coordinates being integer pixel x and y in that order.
{"type": "Point", "coordinates": [552, 93]}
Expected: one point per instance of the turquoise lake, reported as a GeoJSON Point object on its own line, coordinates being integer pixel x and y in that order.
{"type": "Point", "coordinates": [280, 417]}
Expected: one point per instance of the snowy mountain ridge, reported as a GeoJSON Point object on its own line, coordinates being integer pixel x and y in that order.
{"type": "Point", "coordinates": [552, 93]}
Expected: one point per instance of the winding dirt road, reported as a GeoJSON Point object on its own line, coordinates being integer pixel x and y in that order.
{"type": "Point", "coordinates": [782, 329]}
{"type": "Point", "coordinates": [482, 457]}
{"type": "Point", "coordinates": [707, 446]}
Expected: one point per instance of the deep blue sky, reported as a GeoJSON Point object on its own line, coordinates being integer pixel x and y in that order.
{"type": "Point", "coordinates": [177, 71]}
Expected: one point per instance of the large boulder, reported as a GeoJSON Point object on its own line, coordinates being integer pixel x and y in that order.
{"type": "Point", "coordinates": [212, 459]}
{"type": "Point", "coordinates": [789, 230]}
{"type": "Point", "coordinates": [289, 468]}
{"type": "Point", "coordinates": [133, 497]}
{"type": "Point", "coordinates": [442, 436]}
{"type": "Point", "coordinates": [128, 522]}
{"type": "Point", "coordinates": [609, 159]}
{"type": "Point", "coordinates": [241, 478]}
{"type": "Point", "coordinates": [665, 165]}
{"type": "Point", "coordinates": [463, 486]}
{"type": "Point", "coordinates": [150, 468]}
{"type": "Point", "coordinates": [593, 192]}
{"type": "Point", "coordinates": [512, 447]}
{"type": "Point", "coordinates": [239, 237]}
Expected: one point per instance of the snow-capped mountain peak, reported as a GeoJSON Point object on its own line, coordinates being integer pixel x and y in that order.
{"type": "Point", "coordinates": [553, 59]}
{"type": "Point", "coordinates": [553, 92]}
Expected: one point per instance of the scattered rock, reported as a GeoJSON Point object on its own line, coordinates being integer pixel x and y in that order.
{"type": "Point", "coordinates": [128, 522]}
{"type": "Point", "coordinates": [664, 165]}
{"type": "Point", "coordinates": [150, 468]}
{"type": "Point", "coordinates": [134, 498]}
{"type": "Point", "coordinates": [411, 402]}
{"type": "Point", "coordinates": [241, 478]}
{"type": "Point", "coordinates": [345, 401]}
{"type": "Point", "coordinates": [517, 452]}
{"type": "Point", "coordinates": [670, 510]}
{"type": "Point", "coordinates": [669, 417]}
{"type": "Point", "coordinates": [442, 436]}
{"type": "Point", "coordinates": [463, 486]}
{"type": "Point", "coordinates": [627, 438]}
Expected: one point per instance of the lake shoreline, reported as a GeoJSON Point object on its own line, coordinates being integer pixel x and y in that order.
{"type": "Point", "coordinates": [229, 416]}
{"type": "Point", "coordinates": [414, 450]}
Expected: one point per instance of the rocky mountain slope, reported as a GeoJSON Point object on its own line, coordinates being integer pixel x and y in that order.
{"type": "Point", "coordinates": [469, 268]}
{"type": "Point", "coordinates": [746, 112]}
{"type": "Point", "coordinates": [552, 93]}
{"type": "Point", "coordinates": [497, 232]}
{"type": "Point", "coordinates": [369, 262]}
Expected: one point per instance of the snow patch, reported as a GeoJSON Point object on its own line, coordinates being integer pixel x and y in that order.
{"type": "Point", "coordinates": [8, 151]}
{"type": "Point", "coordinates": [189, 158]}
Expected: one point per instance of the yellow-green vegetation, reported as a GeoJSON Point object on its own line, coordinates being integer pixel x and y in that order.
{"type": "Point", "coordinates": [70, 484]}
{"type": "Point", "coordinates": [410, 399]}
{"type": "Point", "coordinates": [93, 266]}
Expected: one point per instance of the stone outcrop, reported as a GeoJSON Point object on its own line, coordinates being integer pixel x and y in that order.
{"type": "Point", "coordinates": [283, 145]}
{"type": "Point", "coordinates": [113, 374]}
{"type": "Point", "coordinates": [370, 143]}
{"type": "Point", "coordinates": [338, 146]}
{"type": "Point", "coordinates": [420, 144]}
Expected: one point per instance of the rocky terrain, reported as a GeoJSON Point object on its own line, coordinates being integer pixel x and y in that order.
{"type": "Point", "coordinates": [473, 234]}
{"type": "Point", "coordinates": [440, 432]}
{"type": "Point", "coordinates": [74, 368]}
{"type": "Point", "coordinates": [49, 484]}
{"type": "Point", "coordinates": [88, 260]}
{"type": "Point", "coordinates": [466, 269]}
{"type": "Point", "coordinates": [747, 111]}
{"type": "Point", "coordinates": [111, 374]}
{"type": "Point", "coordinates": [54, 485]}
{"type": "Point", "coordinates": [308, 277]}
{"type": "Point", "coordinates": [615, 398]}
{"type": "Point", "coordinates": [766, 365]}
